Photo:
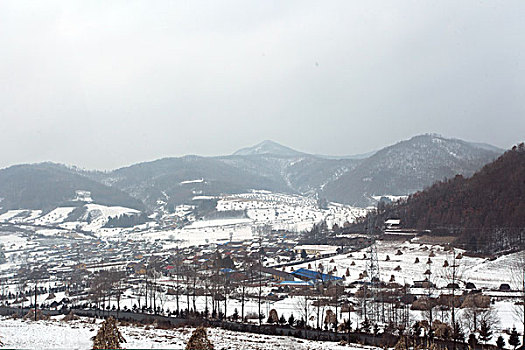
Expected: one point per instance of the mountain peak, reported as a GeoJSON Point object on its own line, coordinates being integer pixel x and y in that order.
{"type": "Point", "coordinates": [267, 147]}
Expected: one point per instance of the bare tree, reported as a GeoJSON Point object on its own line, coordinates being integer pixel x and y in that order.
{"type": "Point", "coordinates": [193, 272]}
{"type": "Point", "coordinates": [453, 275]}
{"type": "Point", "coordinates": [153, 273]}
{"type": "Point", "coordinates": [98, 288]}
{"type": "Point", "coordinates": [261, 231]}
{"type": "Point", "coordinates": [116, 283]}
{"type": "Point", "coordinates": [243, 282]}
{"type": "Point", "coordinates": [477, 308]}
{"type": "Point", "coordinates": [303, 305]}
{"type": "Point", "coordinates": [207, 289]}
{"type": "Point", "coordinates": [178, 263]}
{"type": "Point", "coordinates": [319, 292]}
{"type": "Point", "coordinates": [34, 276]}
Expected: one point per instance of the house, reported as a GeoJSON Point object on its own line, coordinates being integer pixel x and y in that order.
{"type": "Point", "coordinates": [296, 284]}
{"type": "Point", "coordinates": [392, 224]}
{"type": "Point", "coordinates": [318, 250]}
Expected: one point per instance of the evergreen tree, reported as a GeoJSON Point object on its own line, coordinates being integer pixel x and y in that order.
{"type": "Point", "coordinates": [472, 341]}
{"type": "Point", "coordinates": [291, 320]}
{"type": "Point", "coordinates": [303, 254]}
{"type": "Point", "coordinates": [514, 338]}
{"type": "Point", "coordinates": [500, 343]}
{"type": "Point", "coordinates": [485, 333]}
{"type": "Point", "coordinates": [235, 315]}
{"type": "Point", "coordinates": [282, 320]}
{"type": "Point", "coordinates": [108, 336]}
{"type": "Point", "coordinates": [457, 332]}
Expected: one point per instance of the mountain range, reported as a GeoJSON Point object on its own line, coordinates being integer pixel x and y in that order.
{"type": "Point", "coordinates": [400, 169]}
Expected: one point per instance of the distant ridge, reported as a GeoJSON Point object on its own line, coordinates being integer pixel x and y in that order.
{"type": "Point", "coordinates": [398, 170]}
{"type": "Point", "coordinates": [46, 186]}
{"type": "Point", "coordinates": [406, 167]}
{"type": "Point", "coordinates": [274, 148]}
{"type": "Point", "coordinates": [268, 147]}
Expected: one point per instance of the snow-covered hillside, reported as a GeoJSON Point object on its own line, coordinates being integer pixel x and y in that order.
{"type": "Point", "coordinates": [295, 213]}
{"type": "Point", "coordinates": [92, 217]}
{"type": "Point", "coordinates": [180, 227]}
{"type": "Point", "coordinates": [408, 261]}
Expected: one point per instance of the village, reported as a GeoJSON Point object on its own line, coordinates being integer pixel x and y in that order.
{"type": "Point", "coordinates": [343, 283]}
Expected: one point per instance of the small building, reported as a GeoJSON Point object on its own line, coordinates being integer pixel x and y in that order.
{"type": "Point", "coordinates": [314, 276]}
{"type": "Point", "coordinates": [392, 224]}
{"type": "Point", "coordinates": [278, 275]}
{"type": "Point", "coordinates": [319, 250]}
{"type": "Point", "coordinates": [296, 284]}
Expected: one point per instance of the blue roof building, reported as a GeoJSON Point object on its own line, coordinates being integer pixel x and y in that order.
{"type": "Point", "coordinates": [309, 275]}
{"type": "Point", "coordinates": [227, 270]}
{"type": "Point", "coordinates": [296, 283]}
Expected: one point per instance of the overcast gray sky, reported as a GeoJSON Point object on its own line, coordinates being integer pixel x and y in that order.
{"type": "Point", "coordinates": [102, 84]}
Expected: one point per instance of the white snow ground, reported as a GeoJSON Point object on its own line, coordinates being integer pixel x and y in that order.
{"type": "Point", "coordinates": [56, 334]}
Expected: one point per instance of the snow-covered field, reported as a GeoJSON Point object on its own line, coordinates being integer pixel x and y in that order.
{"type": "Point", "coordinates": [56, 334]}
{"type": "Point", "coordinates": [20, 215]}
{"type": "Point", "coordinates": [293, 213]}
{"type": "Point", "coordinates": [398, 259]}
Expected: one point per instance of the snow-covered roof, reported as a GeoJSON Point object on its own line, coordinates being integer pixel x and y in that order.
{"type": "Point", "coordinates": [314, 275]}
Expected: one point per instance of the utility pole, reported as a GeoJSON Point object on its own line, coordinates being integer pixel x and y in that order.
{"type": "Point", "coordinates": [177, 274]}
{"type": "Point", "coordinates": [35, 299]}
{"type": "Point", "coordinates": [260, 288]}
{"type": "Point", "coordinates": [523, 300]}
{"type": "Point", "coordinates": [373, 273]}
{"type": "Point", "coordinates": [260, 231]}
{"type": "Point", "coordinates": [454, 267]}
{"type": "Point", "coordinates": [336, 305]}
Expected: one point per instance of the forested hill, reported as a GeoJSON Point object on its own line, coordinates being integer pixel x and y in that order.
{"type": "Point", "coordinates": [486, 211]}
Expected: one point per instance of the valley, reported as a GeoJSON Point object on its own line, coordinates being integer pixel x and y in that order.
{"type": "Point", "coordinates": [178, 245]}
